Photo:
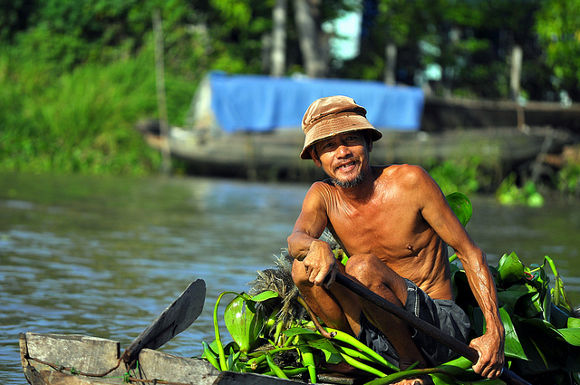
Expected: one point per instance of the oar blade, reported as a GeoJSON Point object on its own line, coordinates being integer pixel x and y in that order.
{"type": "Point", "coordinates": [173, 320]}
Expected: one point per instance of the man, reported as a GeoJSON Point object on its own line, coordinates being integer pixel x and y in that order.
{"type": "Point", "coordinates": [395, 225]}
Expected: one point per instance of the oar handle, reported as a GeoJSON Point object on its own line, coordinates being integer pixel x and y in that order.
{"type": "Point", "coordinates": [423, 326]}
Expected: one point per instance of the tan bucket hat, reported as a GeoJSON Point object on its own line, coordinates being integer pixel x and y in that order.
{"type": "Point", "coordinates": [333, 115]}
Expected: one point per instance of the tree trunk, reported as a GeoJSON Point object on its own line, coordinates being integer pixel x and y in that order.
{"type": "Point", "coordinates": [390, 63]}
{"type": "Point", "coordinates": [278, 58]}
{"type": "Point", "coordinates": [516, 71]}
{"type": "Point", "coordinates": [160, 86]}
{"type": "Point", "coordinates": [314, 53]}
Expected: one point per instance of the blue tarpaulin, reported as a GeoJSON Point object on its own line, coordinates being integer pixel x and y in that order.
{"type": "Point", "coordinates": [263, 103]}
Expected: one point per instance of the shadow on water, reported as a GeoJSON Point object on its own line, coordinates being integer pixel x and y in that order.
{"type": "Point", "coordinates": [103, 256]}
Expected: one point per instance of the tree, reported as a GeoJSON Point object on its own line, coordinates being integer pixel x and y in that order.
{"type": "Point", "coordinates": [314, 49]}
{"type": "Point", "coordinates": [558, 26]}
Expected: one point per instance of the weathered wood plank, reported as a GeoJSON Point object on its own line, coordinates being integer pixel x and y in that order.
{"type": "Point", "coordinates": [84, 353]}
{"type": "Point", "coordinates": [163, 366]}
{"type": "Point", "coordinates": [97, 355]}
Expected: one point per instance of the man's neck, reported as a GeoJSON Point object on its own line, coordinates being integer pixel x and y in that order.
{"type": "Point", "coordinates": [361, 191]}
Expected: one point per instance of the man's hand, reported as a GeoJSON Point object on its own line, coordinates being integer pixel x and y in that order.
{"type": "Point", "coordinates": [491, 355]}
{"type": "Point", "coordinates": [319, 262]}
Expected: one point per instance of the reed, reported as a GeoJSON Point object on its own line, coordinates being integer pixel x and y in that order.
{"type": "Point", "coordinates": [81, 121]}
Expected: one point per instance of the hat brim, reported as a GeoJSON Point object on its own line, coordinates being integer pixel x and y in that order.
{"type": "Point", "coordinates": [335, 126]}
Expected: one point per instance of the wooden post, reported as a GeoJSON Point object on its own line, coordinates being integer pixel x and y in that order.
{"type": "Point", "coordinates": [516, 71]}
{"type": "Point", "coordinates": [515, 76]}
{"type": "Point", "coordinates": [278, 58]}
{"type": "Point", "coordinates": [390, 63]}
{"type": "Point", "coordinates": [160, 83]}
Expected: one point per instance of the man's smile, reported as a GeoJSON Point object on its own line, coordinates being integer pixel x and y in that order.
{"type": "Point", "coordinates": [346, 166]}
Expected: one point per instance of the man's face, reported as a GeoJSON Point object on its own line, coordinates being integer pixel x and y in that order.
{"type": "Point", "coordinates": [343, 157]}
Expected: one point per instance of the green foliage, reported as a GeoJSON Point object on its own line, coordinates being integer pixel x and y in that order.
{"type": "Point", "coordinates": [508, 193]}
{"type": "Point", "coordinates": [457, 175]}
{"type": "Point", "coordinates": [568, 179]}
{"type": "Point", "coordinates": [541, 332]}
{"type": "Point", "coordinates": [558, 23]}
{"type": "Point", "coordinates": [80, 121]}
{"type": "Point", "coordinates": [542, 335]}
{"type": "Point", "coordinates": [461, 206]}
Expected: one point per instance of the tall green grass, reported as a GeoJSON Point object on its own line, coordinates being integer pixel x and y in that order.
{"type": "Point", "coordinates": [81, 121]}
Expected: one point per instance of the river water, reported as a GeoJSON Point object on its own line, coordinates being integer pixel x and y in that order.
{"type": "Point", "coordinates": [104, 256]}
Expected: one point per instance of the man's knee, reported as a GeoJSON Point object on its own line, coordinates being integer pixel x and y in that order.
{"type": "Point", "coordinates": [363, 267]}
{"type": "Point", "coordinates": [299, 275]}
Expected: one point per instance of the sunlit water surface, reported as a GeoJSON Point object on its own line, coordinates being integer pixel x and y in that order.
{"type": "Point", "coordinates": [104, 256]}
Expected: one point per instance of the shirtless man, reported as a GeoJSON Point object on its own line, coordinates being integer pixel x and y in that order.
{"type": "Point", "coordinates": [395, 225]}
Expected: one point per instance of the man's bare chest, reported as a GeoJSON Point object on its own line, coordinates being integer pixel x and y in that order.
{"type": "Point", "coordinates": [388, 229]}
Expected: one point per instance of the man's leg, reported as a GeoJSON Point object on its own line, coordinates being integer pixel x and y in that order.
{"type": "Point", "coordinates": [379, 278]}
{"type": "Point", "coordinates": [337, 306]}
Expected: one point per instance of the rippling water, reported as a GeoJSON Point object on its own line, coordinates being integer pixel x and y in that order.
{"type": "Point", "coordinates": [104, 256]}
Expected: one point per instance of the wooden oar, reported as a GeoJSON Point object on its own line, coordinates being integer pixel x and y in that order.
{"type": "Point", "coordinates": [173, 320]}
{"type": "Point", "coordinates": [423, 326]}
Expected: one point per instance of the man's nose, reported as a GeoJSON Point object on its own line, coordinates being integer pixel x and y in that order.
{"type": "Point", "coordinates": [343, 150]}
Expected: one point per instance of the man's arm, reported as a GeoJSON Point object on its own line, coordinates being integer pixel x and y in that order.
{"type": "Point", "coordinates": [303, 243]}
{"type": "Point", "coordinates": [436, 211]}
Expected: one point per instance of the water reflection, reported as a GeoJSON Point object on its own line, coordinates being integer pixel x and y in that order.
{"type": "Point", "coordinates": [104, 256]}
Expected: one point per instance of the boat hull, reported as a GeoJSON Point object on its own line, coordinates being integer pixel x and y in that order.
{"type": "Point", "coordinates": [59, 359]}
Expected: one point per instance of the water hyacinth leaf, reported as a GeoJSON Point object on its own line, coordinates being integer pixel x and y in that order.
{"type": "Point", "coordinates": [547, 331]}
{"type": "Point", "coordinates": [571, 335]}
{"type": "Point", "coordinates": [300, 331]}
{"type": "Point", "coordinates": [265, 295]}
{"type": "Point", "coordinates": [510, 268]}
{"type": "Point", "coordinates": [233, 361]}
{"type": "Point", "coordinates": [510, 297]}
{"type": "Point", "coordinates": [219, 345]}
{"type": "Point", "coordinates": [529, 305]}
{"type": "Point", "coordinates": [513, 346]}
{"type": "Point", "coordinates": [209, 355]}
{"type": "Point", "coordinates": [308, 360]}
{"type": "Point", "coordinates": [558, 293]}
{"type": "Point", "coordinates": [573, 322]}
{"type": "Point", "coordinates": [331, 354]}
{"type": "Point", "coordinates": [461, 206]}
{"type": "Point", "coordinates": [443, 379]}
{"type": "Point", "coordinates": [460, 363]}
{"type": "Point", "coordinates": [275, 368]}
{"type": "Point", "coordinates": [243, 322]}
{"type": "Point", "coordinates": [547, 307]}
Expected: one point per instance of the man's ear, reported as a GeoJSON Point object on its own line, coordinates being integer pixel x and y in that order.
{"type": "Point", "coordinates": [369, 142]}
{"type": "Point", "coordinates": [315, 157]}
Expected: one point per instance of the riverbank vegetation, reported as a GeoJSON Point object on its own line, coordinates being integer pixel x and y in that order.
{"type": "Point", "coordinates": [76, 77]}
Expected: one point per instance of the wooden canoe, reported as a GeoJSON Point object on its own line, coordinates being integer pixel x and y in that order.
{"type": "Point", "coordinates": [274, 155]}
{"type": "Point", "coordinates": [61, 359]}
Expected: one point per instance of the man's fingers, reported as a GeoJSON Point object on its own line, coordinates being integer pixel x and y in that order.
{"type": "Point", "coordinates": [330, 280]}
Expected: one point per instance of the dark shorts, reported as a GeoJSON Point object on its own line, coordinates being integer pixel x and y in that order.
{"type": "Point", "coordinates": [444, 314]}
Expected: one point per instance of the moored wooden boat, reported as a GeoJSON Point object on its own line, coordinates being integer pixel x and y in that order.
{"type": "Point", "coordinates": [274, 155]}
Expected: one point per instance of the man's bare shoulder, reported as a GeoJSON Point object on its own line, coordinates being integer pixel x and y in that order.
{"type": "Point", "coordinates": [323, 186]}
{"type": "Point", "coordinates": [320, 192]}
{"type": "Point", "coordinates": [404, 175]}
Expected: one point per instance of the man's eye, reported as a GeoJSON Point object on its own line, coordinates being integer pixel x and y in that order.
{"type": "Point", "coordinates": [328, 145]}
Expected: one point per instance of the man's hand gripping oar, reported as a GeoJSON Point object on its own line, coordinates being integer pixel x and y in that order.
{"type": "Point", "coordinates": [419, 324]}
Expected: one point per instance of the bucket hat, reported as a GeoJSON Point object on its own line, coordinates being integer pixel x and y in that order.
{"type": "Point", "coordinates": [333, 115]}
